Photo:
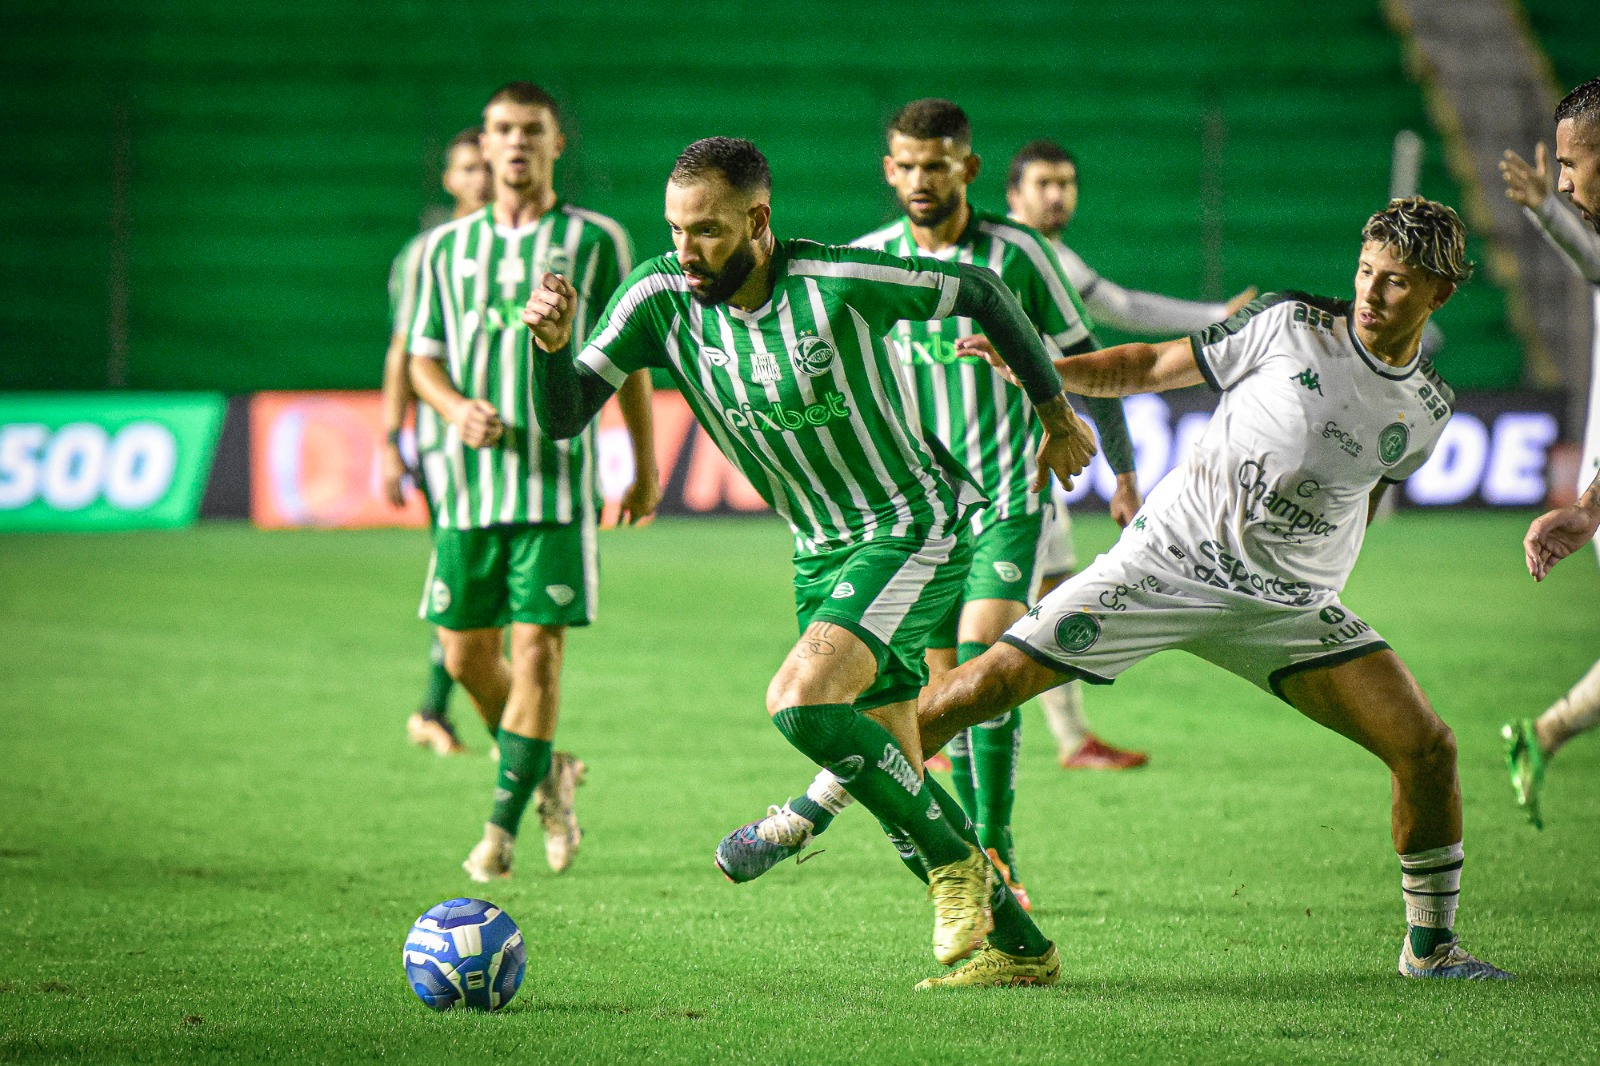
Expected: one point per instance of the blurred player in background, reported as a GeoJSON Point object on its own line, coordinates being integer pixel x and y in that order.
{"type": "Point", "coordinates": [466, 179]}
{"type": "Point", "coordinates": [517, 510]}
{"type": "Point", "coordinates": [1530, 743]}
{"type": "Point", "coordinates": [1240, 553]}
{"type": "Point", "coordinates": [778, 347]}
{"type": "Point", "coordinates": [1042, 191]}
{"type": "Point", "coordinates": [986, 424]}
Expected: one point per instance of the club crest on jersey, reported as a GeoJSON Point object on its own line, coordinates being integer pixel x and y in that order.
{"type": "Point", "coordinates": [558, 263]}
{"type": "Point", "coordinates": [812, 356]}
{"type": "Point", "coordinates": [1392, 443]}
{"type": "Point", "coordinates": [1077, 632]}
{"type": "Point", "coordinates": [439, 597]}
{"type": "Point", "coordinates": [715, 356]}
{"type": "Point", "coordinates": [764, 368]}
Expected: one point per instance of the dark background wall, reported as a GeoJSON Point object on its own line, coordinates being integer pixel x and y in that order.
{"type": "Point", "coordinates": [207, 194]}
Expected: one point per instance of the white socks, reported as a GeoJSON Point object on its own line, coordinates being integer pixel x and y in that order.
{"type": "Point", "coordinates": [1063, 711]}
{"type": "Point", "coordinates": [1431, 883]}
{"type": "Point", "coordinates": [1576, 712]}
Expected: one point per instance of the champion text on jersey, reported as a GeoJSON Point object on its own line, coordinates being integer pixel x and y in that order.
{"type": "Point", "coordinates": [1295, 518]}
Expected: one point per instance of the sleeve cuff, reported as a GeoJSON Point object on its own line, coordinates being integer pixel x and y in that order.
{"type": "Point", "coordinates": [601, 364]}
{"type": "Point", "coordinates": [426, 347]}
{"type": "Point", "coordinates": [1205, 367]}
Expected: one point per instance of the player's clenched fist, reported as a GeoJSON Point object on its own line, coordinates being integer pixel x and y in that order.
{"type": "Point", "coordinates": [548, 312]}
{"type": "Point", "coordinates": [479, 423]}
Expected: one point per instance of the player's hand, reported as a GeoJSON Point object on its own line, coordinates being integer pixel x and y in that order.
{"type": "Point", "coordinates": [978, 346]}
{"type": "Point", "coordinates": [1527, 185]}
{"type": "Point", "coordinates": [1125, 500]}
{"type": "Point", "coordinates": [639, 503]}
{"type": "Point", "coordinates": [548, 312]}
{"type": "Point", "coordinates": [1239, 300]}
{"type": "Point", "coordinates": [1555, 535]}
{"type": "Point", "coordinates": [1067, 446]}
{"type": "Point", "coordinates": [479, 423]}
{"type": "Point", "coordinates": [394, 470]}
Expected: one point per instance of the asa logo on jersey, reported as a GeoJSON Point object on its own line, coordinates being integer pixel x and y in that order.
{"type": "Point", "coordinates": [1392, 443]}
{"type": "Point", "coordinates": [812, 356]}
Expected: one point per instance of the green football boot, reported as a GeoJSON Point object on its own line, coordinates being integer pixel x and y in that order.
{"type": "Point", "coordinates": [1526, 763]}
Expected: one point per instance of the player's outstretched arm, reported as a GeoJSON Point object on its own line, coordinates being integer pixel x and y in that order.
{"type": "Point", "coordinates": [1556, 534]}
{"type": "Point", "coordinates": [1068, 445]}
{"type": "Point", "coordinates": [1128, 369]}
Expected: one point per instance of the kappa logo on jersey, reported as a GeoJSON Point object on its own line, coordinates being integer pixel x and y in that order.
{"type": "Point", "coordinates": [843, 591]}
{"type": "Point", "coordinates": [715, 356]}
{"type": "Point", "coordinates": [562, 594]}
{"type": "Point", "coordinates": [1008, 571]}
{"type": "Point", "coordinates": [1138, 523]}
{"type": "Point", "coordinates": [1392, 443]}
{"type": "Point", "coordinates": [1313, 316]}
{"type": "Point", "coordinates": [764, 368]}
{"type": "Point", "coordinates": [439, 597]}
{"type": "Point", "coordinates": [1077, 632]}
{"type": "Point", "coordinates": [1310, 380]}
{"type": "Point", "coordinates": [812, 356]}
{"type": "Point", "coordinates": [781, 419]}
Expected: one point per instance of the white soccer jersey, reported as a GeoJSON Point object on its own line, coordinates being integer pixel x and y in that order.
{"type": "Point", "coordinates": [1272, 500]}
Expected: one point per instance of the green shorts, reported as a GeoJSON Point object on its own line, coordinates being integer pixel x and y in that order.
{"type": "Point", "coordinates": [890, 593]}
{"type": "Point", "coordinates": [546, 574]}
{"type": "Point", "coordinates": [1004, 557]}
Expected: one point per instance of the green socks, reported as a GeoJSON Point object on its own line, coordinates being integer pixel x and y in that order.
{"type": "Point", "coordinates": [865, 758]}
{"type": "Point", "coordinates": [996, 746]}
{"type": "Point", "coordinates": [524, 762]}
{"type": "Point", "coordinates": [436, 698]}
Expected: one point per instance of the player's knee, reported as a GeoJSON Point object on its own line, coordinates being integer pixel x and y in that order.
{"type": "Point", "coordinates": [464, 658]}
{"type": "Point", "coordinates": [538, 650]}
{"type": "Point", "coordinates": [1433, 750]}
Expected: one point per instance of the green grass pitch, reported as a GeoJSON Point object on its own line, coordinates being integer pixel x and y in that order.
{"type": "Point", "coordinates": [214, 835]}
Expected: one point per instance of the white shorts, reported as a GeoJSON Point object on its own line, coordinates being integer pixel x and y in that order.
{"type": "Point", "coordinates": [1125, 608]}
{"type": "Point", "coordinates": [1056, 557]}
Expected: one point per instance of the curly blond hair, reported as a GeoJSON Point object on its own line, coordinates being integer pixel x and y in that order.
{"type": "Point", "coordinates": [1423, 234]}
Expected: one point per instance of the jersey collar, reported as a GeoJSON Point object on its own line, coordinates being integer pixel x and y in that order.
{"type": "Point", "coordinates": [777, 298]}
{"type": "Point", "coordinates": [1376, 365]}
{"type": "Point", "coordinates": [513, 233]}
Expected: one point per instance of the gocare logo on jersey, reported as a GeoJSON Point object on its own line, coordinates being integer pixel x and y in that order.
{"type": "Point", "coordinates": [783, 419]}
{"type": "Point", "coordinates": [1295, 518]}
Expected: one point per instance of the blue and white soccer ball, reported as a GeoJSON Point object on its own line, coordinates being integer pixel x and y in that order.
{"type": "Point", "coordinates": [465, 953]}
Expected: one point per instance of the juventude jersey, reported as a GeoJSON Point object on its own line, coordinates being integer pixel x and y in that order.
{"type": "Point", "coordinates": [405, 277]}
{"type": "Point", "coordinates": [801, 394]}
{"type": "Point", "coordinates": [1272, 500]}
{"type": "Point", "coordinates": [476, 275]}
{"type": "Point", "coordinates": [984, 420]}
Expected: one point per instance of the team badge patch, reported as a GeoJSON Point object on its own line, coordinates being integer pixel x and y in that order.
{"type": "Point", "coordinates": [1008, 571]}
{"type": "Point", "coordinates": [439, 597]}
{"type": "Point", "coordinates": [562, 594]}
{"type": "Point", "coordinates": [1077, 632]}
{"type": "Point", "coordinates": [715, 356]}
{"type": "Point", "coordinates": [843, 590]}
{"type": "Point", "coordinates": [812, 356]}
{"type": "Point", "coordinates": [558, 263]}
{"type": "Point", "coordinates": [1392, 443]}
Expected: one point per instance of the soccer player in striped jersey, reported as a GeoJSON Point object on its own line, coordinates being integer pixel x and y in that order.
{"type": "Point", "coordinates": [516, 508]}
{"type": "Point", "coordinates": [1239, 555]}
{"type": "Point", "coordinates": [466, 179]}
{"type": "Point", "coordinates": [1532, 742]}
{"type": "Point", "coordinates": [986, 423]}
{"type": "Point", "coordinates": [778, 347]}
{"type": "Point", "coordinates": [1042, 191]}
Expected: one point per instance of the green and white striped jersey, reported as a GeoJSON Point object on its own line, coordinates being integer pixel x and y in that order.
{"type": "Point", "coordinates": [405, 277]}
{"type": "Point", "coordinates": [476, 276]}
{"type": "Point", "coordinates": [801, 394]}
{"type": "Point", "coordinates": [984, 420]}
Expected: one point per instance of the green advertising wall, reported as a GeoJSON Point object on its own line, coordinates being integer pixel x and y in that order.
{"type": "Point", "coordinates": [108, 461]}
{"type": "Point", "coordinates": [206, 195]}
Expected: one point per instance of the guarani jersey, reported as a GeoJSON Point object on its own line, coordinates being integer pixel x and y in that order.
{"type": "Point", "coordinates": [984, 420]}
{"type": "Point", "coordinates": [1272, 501]}
{"type": "Point", "coordinates": [801, 394]}
{"type": "Point", "coordinates": [476, 276]}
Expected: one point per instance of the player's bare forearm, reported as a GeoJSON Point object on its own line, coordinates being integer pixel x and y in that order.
{"type": "Point", "coordinates": [636, 399]}
{"type": "Point", "coordinates": [433, 387]}
{"type": "Point", "coordinates": [397, 391]}
{"type": "Point", "coordinates": [1128, 369]}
